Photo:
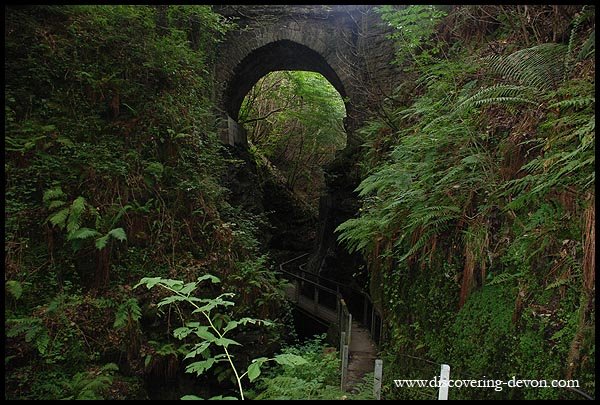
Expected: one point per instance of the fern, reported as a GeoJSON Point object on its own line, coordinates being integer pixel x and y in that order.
{"type": "Point", "coordinates": [588, 48]}
{"type": "Point", "coordinates": [75, 214]}
{"type": "Point", "coordinates": [53, 194]}
{"type": "Point", "coordinates": [575, 102]}
{"type": "Point", "coordinates": [59, 218]}
{"type": "Point", "coordinates": [503, 278]}
{"type": "Point", "coordinates": [127, 312]}
{"type": "Point", "coordinates": [499, 93]}
{"type": "Point", "coordinates": [117, 233]}
{"type": "Point", "coordinates": [541, 67]}
{"type": "Point", "coordinates": [579, 19]}
{"type": "Point", "coordinates": [82, 233]}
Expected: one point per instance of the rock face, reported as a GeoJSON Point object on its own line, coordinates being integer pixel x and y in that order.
{"type": "Point", "coordinates": [346, 44]}
{"type": "Point", "coordinates": [256, 189]}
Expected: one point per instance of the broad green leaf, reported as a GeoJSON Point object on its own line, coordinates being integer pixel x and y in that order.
{"type": "Point", "coordinates": [230, 325]}
{"type": "Point", "coordinates": [226, 342]}
{"type": "Point", "coordinates": [149, 282]}
{"type": "Point", "coordinates": [181, 332]}
{"type": "Point", "coordinates": [213, 279]}
{"type": "Point", "coordinates": [191, 397]}
{"type": "Point", "coordinates": [253, 371]}
{"type": "Point", "coordinates": [200, 367]}
{"type": "Point", "coordinates": [188, 288]}
{"type": "Point", "coordinates": [198, 349]}
{"type": "Point", "coordinates": [206, 335]}
{"type": "Point", "coordinates": [290, 359]}
{"type": "Point", "coordinates": [171, 299]}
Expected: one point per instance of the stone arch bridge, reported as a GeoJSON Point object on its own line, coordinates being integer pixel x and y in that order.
{"type": "Point", "coordinates": [347, 44]}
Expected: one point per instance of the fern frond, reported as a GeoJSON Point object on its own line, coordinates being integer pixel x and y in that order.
{"type": "Point", "coordinates": [56, 204]}
{"type": "Point", "coordinates": [541, 66]}
{"type": "Point", "coordinates": [75, 215]}
{"type": "Point", "coordinates": [503, 278]}
{"type": "Point", "coordinates": [499, 93]}
{"type": "Point", "coordinates": [588, 48]}
{"type": "Point", "coordinates": [53, 194]}
{"type": "Point", "coordinates": [118, 233]}
{"type": "Point", "coordinates": [577, 103]}
{"type": "Point", "coordinates": [101, 242]}
{"type": "Point", "coordinates": [569, 58]}
{"type": "Point", "coordinates": [59, 219]}
{"type": "Point", "coordinates": [83, 233]}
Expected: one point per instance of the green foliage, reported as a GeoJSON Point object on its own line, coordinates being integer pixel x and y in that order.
{"type": "Point", "coordinates": [91, 384]}
{"type": "Point", "coordinates": [316, 377]}
{"type": "Point", "coordinates": [414, 32]}
{"type": "Point", "coordinates": [212, 334]}
{"type": "Point", "coordinates": [127, 313]}
{"type": "Point", "coordinates": [472, 209]}
{"type": "Point", "coordinates": [541, 66]}
{"type": "Point", "coordinates": [295, 119]}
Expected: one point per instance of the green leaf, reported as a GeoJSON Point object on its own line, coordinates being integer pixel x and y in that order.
{"type": "Point", "coordinates": [205, 334]}
{"type": "Point", "coordinates": [59, 218]}
{"type": "Point", "coordinates": [221, 397]}
{"type": "Point", "coordinates": [83, 233]}
{"type": "Point", "coordinates": [230, 325]}
{"type": "Point", "coordinates": [191, 397]}
{"type": "Point", "coordinates": [290, 359]}
{"type": "Point", "coordinates": [226, 342]}
{"type": "Point", "coordinates": [55, 204]}
{"type": "Point", "coordinates": [171, 299]}
{"type": "Point", "coordinates": [77, 208]}
{"type": "Point", "coordinates": [101, 242]}
{"type": "Point", "coordinates": [188, 288]}
{"type": "Point", "coordinates": [213, 279]}
{"type": "Point", "coordinates": [118, 233]}
{"type": "Point", "coordinates": [181, 332]}
{"type": "Point", "coordinates": [200, 367]}
{"type": "Point", "coordinates": [198, 349]}
{"type": "Point", "coordinates": [14, 288]}
{"type": "Point", "coordinates": [148, 282]}
{"type": "Point", "coordinates": [254, 371]}
{"type": "Point", "coordinates": [53, 194]}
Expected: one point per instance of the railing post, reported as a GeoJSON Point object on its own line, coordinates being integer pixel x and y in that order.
{"type": "Point", "coordinates": [377, 379]}
{"type": "Point", "coordinates": [372, 328]}
{"type": "Point", "coordinates": [349, 328]}
{"type": "Point", "coordinates": [342, 343]}
{"type": "Point", "coordinates": [316, 300]}
{"type": "Point", "coordinates": [444, 378]}
{"type": "Point", "coordinates": [344, 367]}
{"type": "Point", "coordinates": [337, 310]}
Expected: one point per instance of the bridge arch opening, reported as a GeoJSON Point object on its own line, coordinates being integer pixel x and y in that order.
{"type": "Point", "coordinates": [295, 119]}
{"type": "Point", "coordinates": [275, 56]}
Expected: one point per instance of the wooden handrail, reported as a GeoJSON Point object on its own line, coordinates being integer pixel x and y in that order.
{"type": "Point", "coordinates": [371, 326]}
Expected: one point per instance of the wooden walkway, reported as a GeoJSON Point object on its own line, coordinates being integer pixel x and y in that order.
{"type": "Point", "coordinates": [357, 347]}
{"type": "Point", "coordinates": [308, 304]}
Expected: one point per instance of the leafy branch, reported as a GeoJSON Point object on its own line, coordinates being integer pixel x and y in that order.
{"type": "Point", "coordinates": [212, 334]}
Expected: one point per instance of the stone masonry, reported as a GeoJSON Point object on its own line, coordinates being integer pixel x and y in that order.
{"type": "Point", "coordinates": [347, 44]}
